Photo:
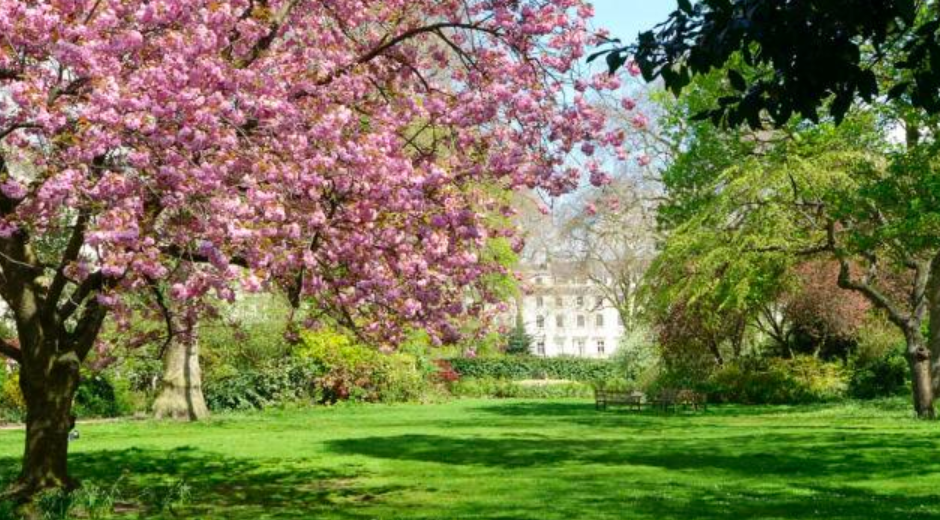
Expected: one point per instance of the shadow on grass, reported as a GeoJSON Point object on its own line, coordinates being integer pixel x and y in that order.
{"type": "Point", "coordinates": [825, 416]}
{"type": "Point", "coordinates": [766, 476]}
{"type": "Point", "coordinates": [222, 486]}
{"type": "Point", "coordinates": [745, 455]}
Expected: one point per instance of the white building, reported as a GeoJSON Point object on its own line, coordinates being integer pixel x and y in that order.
{"type": "Point", "coordinates": [566, 314]}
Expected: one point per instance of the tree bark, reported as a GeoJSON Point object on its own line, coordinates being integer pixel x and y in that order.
{"type": "Point", "coordinates": [48, 384]}
{"type": "Point", "coordinates": [919, 359]}
{"type": "Point", "coordinates": [933, 338]}
{"type": "Point", "coordinates": [181, 396]}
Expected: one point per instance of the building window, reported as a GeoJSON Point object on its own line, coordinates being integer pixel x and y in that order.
{"type": "Point", "coordinates": [559, 301]}
{"type": "Point", "coordinates": [599, 320]}
{"type": "Point", "coordinates": [540, 348]}
{"type": "Point", "coordinates": [559, 321]}
{"type": "Point", "coordinates": [581, 320]}
{"type": "Point", "coordinates": [599, 301]}
{"type": "Point", "coordinates": [538, 281]}
{"type": "Point", "coordinates": [580, 301]}
{"type": "Point", "coordinates": [581, 345]}
{"type": "Point", "coordinates": [539, 301]}
{"type": "Point", "coordinates": [600, 346]}
{"type": "Point", "coordinates": [560, 345]}
{"type": "Point", "coordinates": [540, 322]}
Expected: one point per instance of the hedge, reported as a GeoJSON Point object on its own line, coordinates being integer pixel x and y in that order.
{"type": "Point", "coordinates": [520, 368]}
{"type": "Point", "coordinates": [502, 388]}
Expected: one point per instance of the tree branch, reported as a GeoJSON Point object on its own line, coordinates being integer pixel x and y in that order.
{"type": "Point", "coordinates": [71, 253]}
{"type": "Point", "coordinates": [93, 283]}
{"type": "Point", "coordinates": [11, 351]}
{"type": "Point", "coordinates": [385, 45]}
{"type": "Point", "coordinates": [175, 251]}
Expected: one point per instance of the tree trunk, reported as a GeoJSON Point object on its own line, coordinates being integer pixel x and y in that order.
{"type": "Point", "coordinates": [48, 394]}
{"type": "Point", "coordinates": [933, 306]}
{"type": "Point", "coordinates": [181, 386]}
{"type": "Point", "coordinates": [919, 359]}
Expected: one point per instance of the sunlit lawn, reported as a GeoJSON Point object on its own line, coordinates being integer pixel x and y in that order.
{"type": "Point", "coordinates": [524, 460]}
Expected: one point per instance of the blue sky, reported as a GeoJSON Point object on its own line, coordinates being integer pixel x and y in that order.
{"type": "Point", "coordinates": [626, 18]}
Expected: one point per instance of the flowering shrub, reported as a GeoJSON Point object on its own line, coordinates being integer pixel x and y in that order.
{"type": "Point", "coordinates": [445, 372]}
{"type": "Point", "coordinates": [356, 372]}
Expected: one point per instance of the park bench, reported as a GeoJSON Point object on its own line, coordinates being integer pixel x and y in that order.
{"type": "Point", "coordinates": [628, 398]}
{"type": "Point", "coordinates": [672, 398]}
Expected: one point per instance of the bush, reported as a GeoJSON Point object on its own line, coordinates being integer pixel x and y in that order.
{"type": "Point", "coordinates": [885, 376]}
{"type": "Point", "coordinates": [503, 388]}
{"type": "Point", "coordinates": [12, 404]}
{"type": "Point", "coordinates": [102, 395]}
{"type": "Point", "coordinates": [803, 379]}
{"type": "Point", "coordinates": [520, 368]}
{"type": "Point", "coordinates": [637, 358]}
{"type": "Point", "coordinates": [289, 380]}
{"type": "Point", "coordinates": [357, 372]}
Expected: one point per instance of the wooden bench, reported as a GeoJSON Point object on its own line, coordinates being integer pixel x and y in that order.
{"type": "Point", "coordinates": [628, 398]}
{"type": "Point", "coordinates": [672, 398]}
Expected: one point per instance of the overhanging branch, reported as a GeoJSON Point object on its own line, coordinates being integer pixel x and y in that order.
{"type": "Point", "coordinates": [11, 351]}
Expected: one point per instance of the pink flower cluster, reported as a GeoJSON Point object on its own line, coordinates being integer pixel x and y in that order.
{"type": "Point", "coordinates": [350, 150]}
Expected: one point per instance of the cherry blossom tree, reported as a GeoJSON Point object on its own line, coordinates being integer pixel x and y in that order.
{"type": "Point", "coordinates": [181, 149]}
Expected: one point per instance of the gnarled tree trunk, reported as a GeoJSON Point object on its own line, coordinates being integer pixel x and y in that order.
{"type": "Point", "coordinates": [918, 357]}
{"type": "Point", "coordinates": [48, 389]}
{"type": "Point", "coordinates": [181, 395]}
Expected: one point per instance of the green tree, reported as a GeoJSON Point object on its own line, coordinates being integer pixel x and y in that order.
{"type": "Point", "coordinates": [519, 342]}
{"type": "Point", "coordinates": [786, 58]}
{"type": "Point", "coordinates": [847, 193]}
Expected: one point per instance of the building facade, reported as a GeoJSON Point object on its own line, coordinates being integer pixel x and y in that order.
{"type": "Point", "coordinates": [566, 314]}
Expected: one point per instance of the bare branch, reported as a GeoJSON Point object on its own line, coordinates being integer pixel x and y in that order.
{"type": "Point", "coordinates": [388, 44]}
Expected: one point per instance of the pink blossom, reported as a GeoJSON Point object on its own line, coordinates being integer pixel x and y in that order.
{"type": "Point", "coordinates": [205, 156]}
{"type": "Point", "coordinates": [633, 68]}
{"type": "Point", "coordinates": [13, 189]}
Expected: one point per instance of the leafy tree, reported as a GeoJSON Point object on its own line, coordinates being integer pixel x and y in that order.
{"type": "Point", "coordinates": [609, 234]}
{"type": "Point", "coordinates": [179, 150]}
{"type": "Point", "coordinates": [823, 320]}
{"type": "Point", "coordinates": [841, 194]}
{"type": "Point", "coordinates": [519, 342]}
{"type": "Point", "coordinates": [786, 58]}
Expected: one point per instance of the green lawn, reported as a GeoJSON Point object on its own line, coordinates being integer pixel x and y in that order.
{"type": "Point", "coordinates": [526, 460]}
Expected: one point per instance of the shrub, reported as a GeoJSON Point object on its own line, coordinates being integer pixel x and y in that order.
{"type": "Point", "coordinates": [357, 372]}
{"type": "Point", "coordinates": [637, 358]}
{"type": "Point", "coordinates": [885, 376]}
{"type": "Point", "coordinates": [503, 388]}
{"type": "Point", "coordinates": [288, 380]}
{"type": "Point", "coordinates": [102, 395]}
{"type": "Point", "coordinates": [528, 367]}
{"type": "Point", "coordinates": [445, 372]}
{"type": "Point", "coordinates": [12, 404]}
{"type": "Point", "coordinates": [803, 379]}
{"type": "Point", "coordinates": [615, 385]}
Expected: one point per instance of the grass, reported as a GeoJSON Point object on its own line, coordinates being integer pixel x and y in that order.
{"type": "Point", "coordinates": [545, 460]}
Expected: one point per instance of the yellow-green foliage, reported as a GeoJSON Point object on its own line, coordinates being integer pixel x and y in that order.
{"type": "Point", "coordinates": [358, 372]}
{"type": "Point", "coordinates": [11, 398]}
{"type": "Point", "coordinates": [803, 379]}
